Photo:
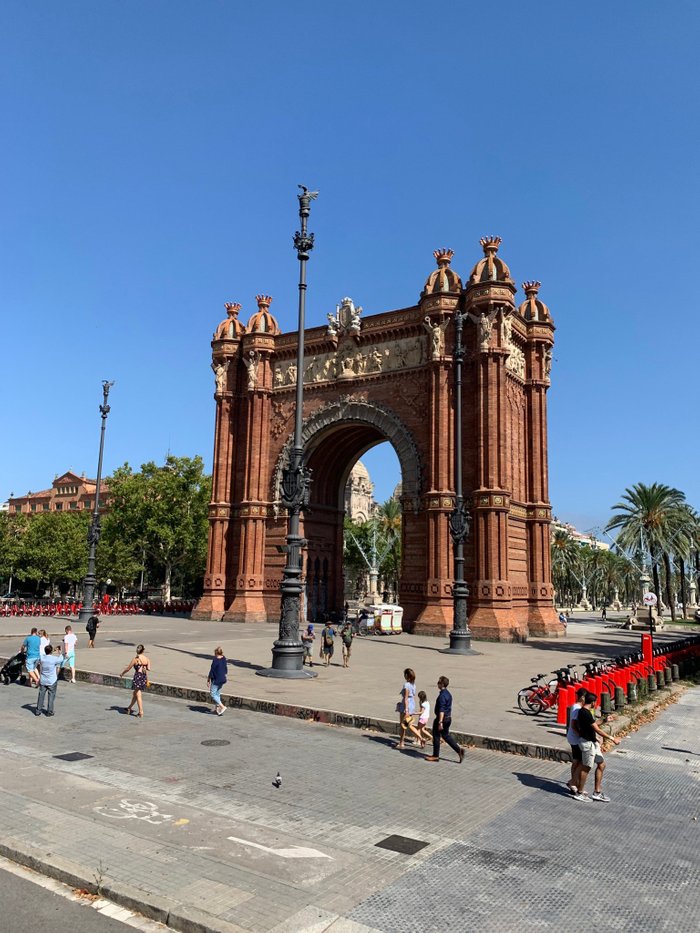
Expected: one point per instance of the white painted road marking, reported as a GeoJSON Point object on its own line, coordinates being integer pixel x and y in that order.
{"type": "Point", "coordinates": [293, 852]}
{"type": "Point", "coordinates": [129, 810]}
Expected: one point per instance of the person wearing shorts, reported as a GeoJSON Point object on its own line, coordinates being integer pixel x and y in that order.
{"type": "Point", "coordinates": [32, 655]}
{"type": "Point", "coordinates": [307, 640]}
{"type": "Point", "coordinates": [591, 754]}
{"type": "Point", "coordinates": [69, 642]}
{"type": "Point", "coordinates": [327, 643]}
{"type": "Point", "coordinates": [572, 739]}
{"type": "Point", "coordinates": [347, 636]}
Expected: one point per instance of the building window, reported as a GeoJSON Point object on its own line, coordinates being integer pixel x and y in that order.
{"type": "Point", "coordinates": [74, 505]}
{"type": "Point", "coordinates": [46, 506]}
{"type": "Point", "coordinates": [33, 507]}
{"type": "Point", "coordinates": [59, 506]}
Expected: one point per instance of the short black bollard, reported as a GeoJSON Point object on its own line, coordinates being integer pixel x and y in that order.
{"type": "Point", "coordinates": [660, 681]}
{"type": "Point", "coordinates": [642, 687]}
{"type": "Point", "coordinates": [668, 676]}
{"type": "Point", "coordinates": [631, 692]}
{"type": "Point", "coordinates": [675, 672]}
{"type": "Point", "coordinates": [651, 683]}
{"type": "Point", "coordinates": [619, 697]}
{"type": "Point", "coordinates": [605, 705]}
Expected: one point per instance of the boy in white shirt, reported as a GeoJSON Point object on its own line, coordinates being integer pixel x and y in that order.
{"type": "Point", "coordinates": [69, 642]}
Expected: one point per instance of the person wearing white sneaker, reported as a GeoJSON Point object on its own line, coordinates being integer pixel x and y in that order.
{"type": "Point", "coordinates": [572, 739]}
{"type": "Point", "coordinates": [217, 679]}
{"type": "Point", "coordinates": [588, 731]}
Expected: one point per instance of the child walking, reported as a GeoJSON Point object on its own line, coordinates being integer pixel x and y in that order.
{"type": "Point", "coordinates": [424, 729]}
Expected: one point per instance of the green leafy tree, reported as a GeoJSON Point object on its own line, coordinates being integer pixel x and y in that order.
{"type": "Point", "coordinates": [647, 520]}
{"type": "Point", "coordinates": [54, 549]}
{"type": "Point", "coordinates": [162, 511]}
{"type": "Point", "coordinates": [12, 530]}
{"type": "Point", "coordinates": [118, 559]}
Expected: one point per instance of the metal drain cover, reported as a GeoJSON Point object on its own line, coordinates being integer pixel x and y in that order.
{"type": "Point", "coordinates": [215, 742]}
{"type": "Point", "coordinates": [402, 844]}
{"type": "Point", "coordinates": [73, 756]}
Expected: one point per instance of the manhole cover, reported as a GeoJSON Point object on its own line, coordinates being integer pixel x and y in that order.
{"type": "Point", "coordinates": [215, 742]}
{"type": "Point", "coordinates": [402, 844]}
{"type": "Point", "coordinates": [73, 756]}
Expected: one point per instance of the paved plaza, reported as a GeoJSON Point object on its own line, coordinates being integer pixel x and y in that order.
{"type": "Point", "coordinates": [484, 686]}
{"type": "Point", "coordinates": [178, 811]}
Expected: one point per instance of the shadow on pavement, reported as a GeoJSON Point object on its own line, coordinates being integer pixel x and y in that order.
{"type": "Point", "coordinates": [209, 710]}
{"type": "Point", "coordinates": [552, 787]}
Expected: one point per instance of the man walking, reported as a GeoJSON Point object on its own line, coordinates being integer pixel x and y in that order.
{"type": "Point", "coordinates": [48, 680]}
{"type": "Point", "coordinates": [572, 739]}
{"type": "Point", "coordinates": [588, 731]}
{"type": "Point", "coordinates": [442, 722]}
{"type": "Point", "coordinates": [32, 654]}
{"type": "Point", "coordinates": [347, 636]}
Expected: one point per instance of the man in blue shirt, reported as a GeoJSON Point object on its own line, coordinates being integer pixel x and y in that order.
{"type": "Point", "coordinates": [48, 680]}
{"type": "Point", "coordinates": [32, 649]}
{"type": "Point", "coordinates": [442, 721]}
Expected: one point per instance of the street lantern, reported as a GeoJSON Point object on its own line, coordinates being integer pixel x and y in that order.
{"type": "Point", "coordinates": [94, 531]}
{"type": "Point", "coordinates": [288, 651]}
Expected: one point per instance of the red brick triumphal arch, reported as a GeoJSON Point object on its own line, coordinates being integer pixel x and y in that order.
{"type": "Point", "coordinates": [389, 377]}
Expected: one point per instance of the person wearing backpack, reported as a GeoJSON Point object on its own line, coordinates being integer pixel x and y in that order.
{"type": "Point", "coordinates": [347, 635]}
{"type": "Point", "coordinates": [91, 628]}
{"type": "Point", "coordinates": [327, 643]}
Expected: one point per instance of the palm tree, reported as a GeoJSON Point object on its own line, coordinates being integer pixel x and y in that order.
{"type": "Point", "coordinates": [390, 519]}
{"type": "Point", "coordinates": [566, 558]}
{"type": "Point", "coordinates": [647, 519]}
{"type": "Point", "coordinates": [686, 538]}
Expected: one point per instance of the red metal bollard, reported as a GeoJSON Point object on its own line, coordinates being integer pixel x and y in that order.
{"type": "Point", "coordinates": [561, 707]}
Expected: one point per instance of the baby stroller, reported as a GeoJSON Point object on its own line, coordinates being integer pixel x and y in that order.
{"type": "Point", "coordinates": [12, 670]}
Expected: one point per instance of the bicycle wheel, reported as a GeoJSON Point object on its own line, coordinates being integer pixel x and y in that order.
{"type": "Point", "coordinates": [529, 701]}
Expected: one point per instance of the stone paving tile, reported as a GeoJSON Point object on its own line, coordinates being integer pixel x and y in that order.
{"type": "Point", "coordinates": [629, 865]}
{"type": "Point", "coordinates": [494, 824]}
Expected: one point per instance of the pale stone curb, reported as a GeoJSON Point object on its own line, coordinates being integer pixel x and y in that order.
{"type": "Point", "coordinates": [176, 916]}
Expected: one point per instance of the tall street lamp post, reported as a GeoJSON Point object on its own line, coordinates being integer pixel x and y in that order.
{"type": "Point", "coordinates": [460, 636]}
{"type": "Point", "coordinates": [94, 530]}
{"type": "Point", "coordinates": [288, 651]}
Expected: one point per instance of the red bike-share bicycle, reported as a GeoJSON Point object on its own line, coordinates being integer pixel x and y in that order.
{"type": "Point", "coordinates": [540, 696]}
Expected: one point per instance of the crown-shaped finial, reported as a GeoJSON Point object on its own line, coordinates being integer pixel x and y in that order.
{"type": "Point", "coordinates": [531, 288]}
{"type": "Point", "coordinates": [490, 244]}
{"type": "Point", "coordinates": [264, 301]}
{"type": "Point", "coordinates": [443, 257]}
{"type": "Point", "coordinates": [232, 308]}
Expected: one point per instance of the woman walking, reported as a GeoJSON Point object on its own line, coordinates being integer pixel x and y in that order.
{"type": "Point", "coordinates": [217, 679]}
{"type": "Point", "coordinates": [141, 666]}
{"type": "Point", "coordinates": [406, 707]}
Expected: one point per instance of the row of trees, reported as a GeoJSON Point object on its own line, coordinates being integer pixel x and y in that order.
{"type": "Point", "coordinates": [657, 532]}
{"type": "Point", "coordinates": [155, 532]}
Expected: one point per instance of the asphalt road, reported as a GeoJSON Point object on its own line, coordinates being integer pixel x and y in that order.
{"type": "Point", "coordinates": [28, 907]}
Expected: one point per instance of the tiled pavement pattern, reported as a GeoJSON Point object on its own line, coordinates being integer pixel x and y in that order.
{"type": "Point", "coordinates": [501, 855]}
{"type": "Point", "coordinates": [550, 863]}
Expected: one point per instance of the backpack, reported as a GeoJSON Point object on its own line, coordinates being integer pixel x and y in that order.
{"type": "Point", "coordinates": [328, 638]}
{"type": "Point", "coordinates": [347, 637]}
{"type": "Point", "coordinates": [87, 628]}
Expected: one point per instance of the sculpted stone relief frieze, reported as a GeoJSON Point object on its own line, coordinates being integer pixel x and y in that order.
{"type": "Point", "coordinates": [350, 361]}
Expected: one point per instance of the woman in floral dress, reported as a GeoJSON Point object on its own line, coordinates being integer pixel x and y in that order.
{"type": "Point", "coordinates": [141, 666]}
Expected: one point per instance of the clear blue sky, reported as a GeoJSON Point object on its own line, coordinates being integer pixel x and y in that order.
{"type": "Point", "coordinates": [150, 160]}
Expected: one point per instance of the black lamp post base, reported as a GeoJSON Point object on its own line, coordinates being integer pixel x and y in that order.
{"type": "Point", "coordinates": [460, 643]}
{"type": "Point", "coordinates": [287, 664]}
{"type": "Point", "coordinates": [284, 674]}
